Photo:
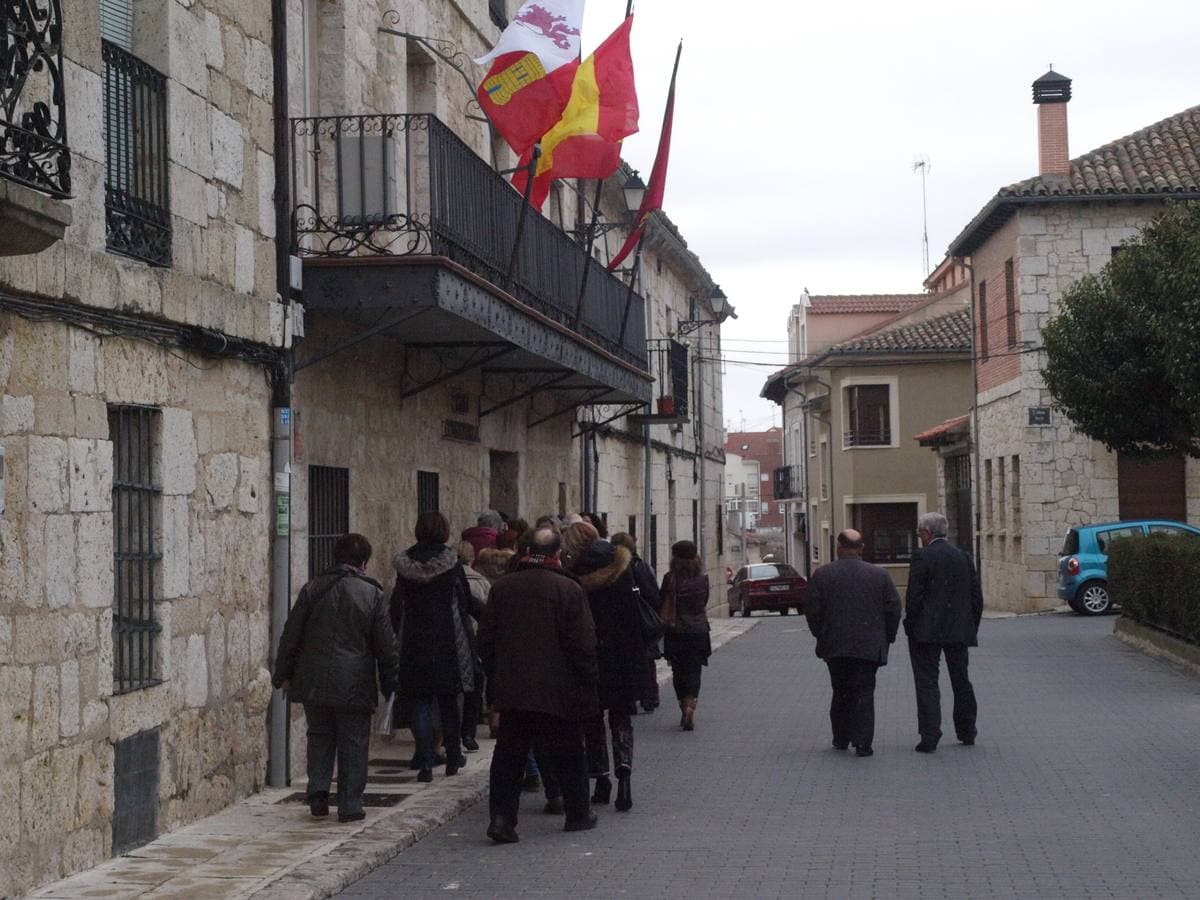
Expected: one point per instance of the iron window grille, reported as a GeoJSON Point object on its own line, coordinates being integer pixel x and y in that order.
{"type": "Point", "coordinates": [427, 492]}
{"type": "Point", "coordinates": [33, 110]}
{"type": "Point", "coordinates": [136, 200]}
{"type": "Point", "coordinates": [499, 13]}
{"type": "Point", "coordinates": [328, 514]}
{"type": "Point", "coordinates": [136, 558]}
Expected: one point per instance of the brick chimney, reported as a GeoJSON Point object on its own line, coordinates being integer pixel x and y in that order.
{"type": "Point", "coordinates": [1051, 93]}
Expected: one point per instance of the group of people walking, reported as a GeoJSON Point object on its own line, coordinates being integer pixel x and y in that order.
{"type": "Point", "coordinates": [554, 628]}
{"type": "Point", "coordinates": [853, 610]}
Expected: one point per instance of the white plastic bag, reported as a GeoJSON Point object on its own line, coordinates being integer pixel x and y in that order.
{"type": "Point", "coordinates": [383, 716]}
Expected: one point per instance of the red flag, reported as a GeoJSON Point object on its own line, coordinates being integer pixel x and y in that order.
{"type": "Point", "coordinates": [658, 175]}
{"type": "Point", "coordinates": [602, 111]}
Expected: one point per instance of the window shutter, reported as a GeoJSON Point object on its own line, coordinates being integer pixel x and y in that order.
{"type": "Point", "coordinates": [116, 22]}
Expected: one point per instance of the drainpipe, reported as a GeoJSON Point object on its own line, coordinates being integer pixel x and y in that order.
{"type": "Point", "coordinates": [281, 417]}
{"type": "Point", "coordinates": [802, 469]}
{"type": "Point", "coordinates": [647, 508]}
{"type": "Point", "coordinates": [833, 529]}
{"type": "Point", "coordinates": [976, 511]}
{"type": "Point", "coordinates": [700, 441]}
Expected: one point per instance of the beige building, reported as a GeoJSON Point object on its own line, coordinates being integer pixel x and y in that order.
{"type": "Point", "coordinates": [1036, 476]}
{"type": "Point", "coordinates": [145, 236]}
{"type": "Point", "coordinates": [138, 338]}
{"type": "Point", "coordinates": [850, 412]}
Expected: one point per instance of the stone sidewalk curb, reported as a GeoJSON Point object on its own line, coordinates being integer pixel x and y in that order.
{"type": "Point", "coordinates": [1158, 644]}
{"type": "Point", "coordinates": [323, 876]}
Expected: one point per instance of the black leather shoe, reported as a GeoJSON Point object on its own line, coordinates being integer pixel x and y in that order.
{"type": "Point", "coordinates": [624, 794]}
{"type": "Point", "coordinates": [318, 805]}
{"type": "Point", "coordinates": [470, 744]}
{"type": "Point", "coordinates": [554, 806]}
{"type": "Point", "coordinates": [502, 831]}
{"type": "Point", "coordinates": [967, 741]}
{"type": "Point", "coordinates": [352, 817]}
{"type": "Point", "coordinates": [925, 746]}
{"type": "Point", "coordinates": [863, 751]}
{"type": "Point", "coordinates": [841, 745]}
{"type": "Point", "coordinates": [587, 822]}
{"type": "Point", "coordinates": [603, 792]}
{"type": "Point", "coordinates": [425, 775]}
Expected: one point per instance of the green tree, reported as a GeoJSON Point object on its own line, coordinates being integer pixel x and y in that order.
{"type": "Point", "coordinates": [1123, 354]}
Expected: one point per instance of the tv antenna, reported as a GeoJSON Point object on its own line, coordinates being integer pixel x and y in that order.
{"type": "Point", "coordinates": [921, 164]}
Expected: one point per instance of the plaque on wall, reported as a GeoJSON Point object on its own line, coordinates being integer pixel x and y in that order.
{"type": "Point", "coordinates": [1039, 415]}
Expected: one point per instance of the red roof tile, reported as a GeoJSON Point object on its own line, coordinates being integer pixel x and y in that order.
{"type": "Point", "coordinates": [829, 304]}
{"type": "Point", "coordinates": [946, 333]}
{"type": "Point", "coordinates": [940, 434]}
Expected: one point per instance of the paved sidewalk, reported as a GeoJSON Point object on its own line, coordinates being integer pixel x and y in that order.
{"type": "Point", "coordinates": [1084, 783]}
{"type": "Point", "coordinates": [269, 847]}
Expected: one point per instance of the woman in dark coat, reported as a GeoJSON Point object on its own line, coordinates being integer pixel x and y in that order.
{"type": "Point", "coordinates": [686, 644]}
{"type": "Point", "coordinates": [430, 610]}
{"type": "Point", "coordinates": [604, 571]}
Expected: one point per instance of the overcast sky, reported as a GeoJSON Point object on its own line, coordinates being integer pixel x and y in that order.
{"type": "Point", "coordinates": [797, 125]}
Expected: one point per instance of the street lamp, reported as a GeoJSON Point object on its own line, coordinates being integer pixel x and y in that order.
{"type": "Point", "coordinates": [720, 307]}
{"type": "Point", "coordinates": [633, 191]}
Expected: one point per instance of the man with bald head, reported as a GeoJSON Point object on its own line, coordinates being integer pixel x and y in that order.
{"type": "Point", "coordinates": [853, 610]}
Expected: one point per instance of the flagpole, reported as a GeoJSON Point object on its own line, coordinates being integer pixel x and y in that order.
{"type": "Point", "coordinates": [634, 272]}
{"type": "Point", "coordinates": [587, 261]}
{"type": "Point", "coordinates": [512, 259]}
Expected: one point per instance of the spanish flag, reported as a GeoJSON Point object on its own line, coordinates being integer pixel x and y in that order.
{"type": "Point", "coordinates": [532, 68]}
{"type": "Point", "coordinates": [602, 111]}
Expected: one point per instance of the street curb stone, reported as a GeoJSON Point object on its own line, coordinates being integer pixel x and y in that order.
{"type": "Point", "coordinates": [1159, 644]}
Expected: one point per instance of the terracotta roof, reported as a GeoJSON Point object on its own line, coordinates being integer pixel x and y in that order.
{"type": "Point", "coordinates": [1160, 161]}
{"type": "Point", "coordinates": [946, 432]}
{"type": "Point", "coordinates": [829, 304]}
{"type": "Point", "coordinates": [947, 333]}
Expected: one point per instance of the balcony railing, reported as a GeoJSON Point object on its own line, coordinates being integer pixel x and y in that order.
{"type": "Point", "coordinates": [874, 438]}
{"type": "Point", "coordinates": [408, 185]}
{"type": "Point", "coordinates": [669, 366]}
{"type": "Point", "coordinates": [788, 483]}
{"type": "Point", "coordinates": [33, 121]}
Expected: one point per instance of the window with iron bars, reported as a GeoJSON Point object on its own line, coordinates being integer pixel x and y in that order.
{"type": "Point", "coordinates": [136, 201]}
{"type": "Point", "coordinates": [499, 13]}
{"type": "Point", "coordinates": [136, 558]}
{"type": "Point", "coordinates": [328, 514]}
{"type": "Point", "coordinates": [428, 490]}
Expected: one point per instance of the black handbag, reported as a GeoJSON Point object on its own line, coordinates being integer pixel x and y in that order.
{"type": "Point", "coordinates": [649, 622]}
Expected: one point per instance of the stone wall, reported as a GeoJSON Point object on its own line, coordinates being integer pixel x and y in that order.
{"type": "Point", "coordinates": [56, 594]}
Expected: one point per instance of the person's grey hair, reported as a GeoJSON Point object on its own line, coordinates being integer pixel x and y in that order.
{"type": "Point", "coordinates": [489, 518]}
{"type": "Point", "coordinates": [935, 523]}
{"type": "Point", "coordinates": [545, 542]}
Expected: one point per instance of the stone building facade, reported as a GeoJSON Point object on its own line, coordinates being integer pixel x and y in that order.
{"type": "Point", "coordinates": [135, 409]}
{"type": "Point", "coordinates": [1036, 476]}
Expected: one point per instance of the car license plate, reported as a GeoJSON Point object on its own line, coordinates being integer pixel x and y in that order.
{"type": "Point", "coordinates": [778, 587]}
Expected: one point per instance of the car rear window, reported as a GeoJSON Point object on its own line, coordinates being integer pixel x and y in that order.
{"type": "Point", "coordinates": [779, 570]}
{"type": "Point", "coordinates": [1104, 538]}
{"type": "Point", "coordinates": [1071, 544]}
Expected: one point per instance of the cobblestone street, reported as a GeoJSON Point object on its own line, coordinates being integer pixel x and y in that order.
{"type": "Point", "coordinates": [1083, 784]}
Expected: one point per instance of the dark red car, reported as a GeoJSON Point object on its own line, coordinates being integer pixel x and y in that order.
{"type": "Point", "coordinates": [771, 586]}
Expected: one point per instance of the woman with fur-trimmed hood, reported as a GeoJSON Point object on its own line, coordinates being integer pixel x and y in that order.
{"type": "Point", "coordinates": [430, 609]}
{"type": "Point", "coordinates": [604, 571]}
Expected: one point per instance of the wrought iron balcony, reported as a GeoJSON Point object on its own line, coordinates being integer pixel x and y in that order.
{"type": "Point", "coordinates": [408, 186]}
{"type": "Point", "coordinates": [788, 483]}
{"type": "Point", "coordinates": [879, 437]}
{"type": "Point", "coordinates": [33, 124]}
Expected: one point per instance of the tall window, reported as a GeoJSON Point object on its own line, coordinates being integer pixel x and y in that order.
{"type": "Point", "coordinates": [427, 492]}
{"type": "Point", "coordinates": [136, 559]}
{"type": "Point", "coordinates": [983, 321]}
{"type": "Point", "coordinates": [869, 417]}
{"type": "Point", "coordinates": [137, 208]}
{"type": "Point", "coordinates": [1010, 303]}
{"type": "Point", "coordinates": [653, 539]}
{"type": "Point", "coordinates": [328, 514]}
{"type": "Point", "coordinates": [720, 531]}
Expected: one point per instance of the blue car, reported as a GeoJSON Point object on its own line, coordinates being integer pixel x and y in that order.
{"type": "Point", "coordinates": [1083, 562]}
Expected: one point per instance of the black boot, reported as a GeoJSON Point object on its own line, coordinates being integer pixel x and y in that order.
{"type": "Point", "coordinates": [503, 830]}
{"type": "Point", "coordinates": [624, 793]}
{"type": "Point", "coordinates": [603, 791]}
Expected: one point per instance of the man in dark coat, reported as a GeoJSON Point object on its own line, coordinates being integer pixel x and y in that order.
{"type": "Point", "coordinates": [853, 610]}
{"type": "Point", "coordinates": [336, 635]}
{"type": "Point", "coordinates": [944, 604]}
{"type": "Point", "coordinates": [538, 645]}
